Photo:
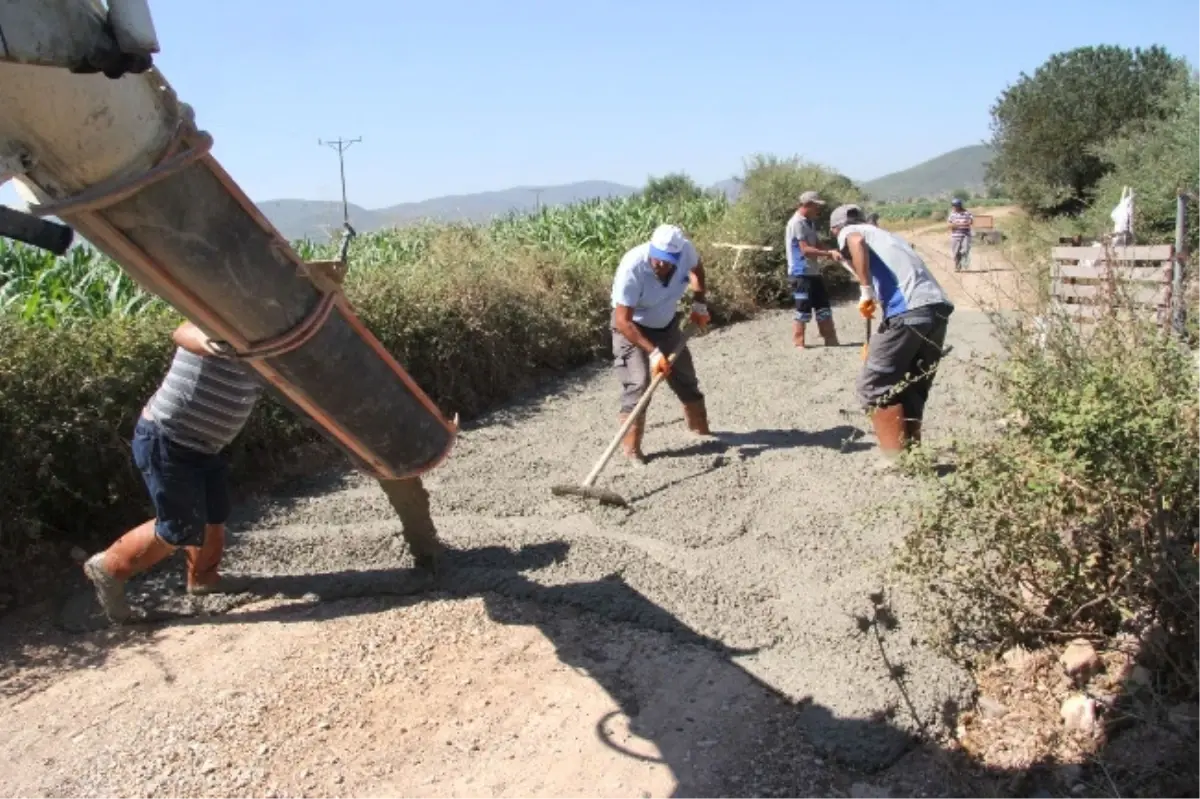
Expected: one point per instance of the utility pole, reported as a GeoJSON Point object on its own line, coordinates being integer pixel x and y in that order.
{"type": "Point", "coordinates": [341, 145]}
{"type": "Point", "coordinates": [537, 199]}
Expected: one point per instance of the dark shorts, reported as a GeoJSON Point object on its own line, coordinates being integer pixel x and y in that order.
{"type": "Point", "coordinates": [810, 295]}
{"type": "Point", "coordinates": [189, 489]}
{"type": "Point", "coordinates": [902, 360]}
{"type": "Point", "coordinates": [633, 365]}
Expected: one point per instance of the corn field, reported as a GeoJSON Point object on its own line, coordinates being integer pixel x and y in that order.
{"type": "Point", "coordinates": [44, 289]}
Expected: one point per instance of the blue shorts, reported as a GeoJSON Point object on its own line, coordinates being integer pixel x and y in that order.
{"type": "Point", "coordinates": [189, 488]}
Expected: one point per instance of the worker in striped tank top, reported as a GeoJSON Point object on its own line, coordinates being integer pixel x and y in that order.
{"type": "Point", "coordinates": [178, 445]}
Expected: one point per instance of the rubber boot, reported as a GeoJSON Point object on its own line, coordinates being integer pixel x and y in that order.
{"type": "Point", "coordinates": [696, 416]}
{"type": "Point", "coordinates": [889, 426]}
{"type": "Point", "coordinates": [131, 554]}
{"type": "Point", "coordinates": [410, 500]}
{"type": "Point", "coordinates": [203, 562]}
{"type": "Point", "coordinates": [631, 445]}
{"type": "Point", "coordinates": [798, 334]}
{"type": "Point", "coordinates": [828, 332]}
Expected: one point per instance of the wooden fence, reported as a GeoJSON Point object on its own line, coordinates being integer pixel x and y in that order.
{"type": "Point", "coordinates": [1088, 283]}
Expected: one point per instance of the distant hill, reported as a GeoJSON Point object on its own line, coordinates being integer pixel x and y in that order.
{"type": "Point", "coordinates": [958, 169]}
{"type": "Point", "coordinates": [316, 219]}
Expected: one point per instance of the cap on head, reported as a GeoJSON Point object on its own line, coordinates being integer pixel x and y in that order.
{"type": "Point", "coordinates": [843, 215]}
{"type": "Point", "coordinates": [666, 243]}
{"type": "Point", "coordinates": [811, 197]}
{"type": "Point", "coordinates": [957, 203]}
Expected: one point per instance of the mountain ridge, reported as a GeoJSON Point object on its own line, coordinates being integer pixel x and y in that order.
{"type": "Point", "coordinates": [319, 219]}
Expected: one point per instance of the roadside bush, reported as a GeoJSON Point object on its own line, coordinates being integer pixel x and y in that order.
{"type": "Point", "coordinates": [1081, 518]}
{"type": "Point", "coordinates": [771, 192]}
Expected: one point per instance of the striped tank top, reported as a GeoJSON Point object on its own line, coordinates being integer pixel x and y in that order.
{"type": "Point", "coordinates": [204, 402]}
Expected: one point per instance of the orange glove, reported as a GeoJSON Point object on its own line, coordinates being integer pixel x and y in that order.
{"type": "Point", "coordinates": [700, 315]}
{"type": "Point", "coordinates": [866, 301]}
{"type": "Point", "coordinates": [659, 364]}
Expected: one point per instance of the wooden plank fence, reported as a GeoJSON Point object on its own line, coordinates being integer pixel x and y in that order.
{"type": "Point", "coordinates": [1089, 283]}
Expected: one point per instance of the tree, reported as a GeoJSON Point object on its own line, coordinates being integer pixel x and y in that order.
{"type": "Point", "coordinates": [675, 187]}
{"type": "Point", "coordinates": [1155, 158]}
{"type": "Point", "coordinates": [1046, 127]}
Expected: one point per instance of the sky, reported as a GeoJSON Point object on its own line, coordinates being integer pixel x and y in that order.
{"type": "Point", "coordinates": [460, 96]}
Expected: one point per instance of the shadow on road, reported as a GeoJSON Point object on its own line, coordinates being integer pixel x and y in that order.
{"type": "Point", "coordinates": [843, 438]}
{"type": "Point", "coordinates": [719, 729]}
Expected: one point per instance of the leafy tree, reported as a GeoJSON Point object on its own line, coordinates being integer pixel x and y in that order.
{"type": "Point", "coordinates": [674, 187]}
{"type": "Point", "coordinates": [1046, 127]}
{"type": "Point", "coordinates": [1156, 158]}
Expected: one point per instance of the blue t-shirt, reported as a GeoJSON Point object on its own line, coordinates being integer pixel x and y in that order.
{"type": "Point", "coordinates": [799, 228]}
{"type": "Point", "coordinates": [636, 286]}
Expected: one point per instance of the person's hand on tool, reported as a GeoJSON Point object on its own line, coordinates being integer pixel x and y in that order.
{"type": "Point", "coordinates": [659, 364]}
{"type": "Point", "coordinates": [866, 301]}
{"type": "Point", "coordinates": [837, 256]}
{"type": "Point", "coordinates": [700, 315]}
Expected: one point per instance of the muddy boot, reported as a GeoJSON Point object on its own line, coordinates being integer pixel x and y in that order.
{"type": "Point", "coordinates": [889, 426]}
{"type": "Point", "coordinates": [203, 562]}
{"type": "Point", "coordinates": [912, 432]}
{"type": "Point", "coordinates": [828, 332]}
{"type": "Point", "coordinates": [631, 445]}
{"type": "Point", "coordinates": [131, 554]}
{"type": "Point", "coordinates": [411, 503]}
{"type": "Point", "coordinates": [696, 416]}
{"type": "Point", "coordinates": [798, 335]}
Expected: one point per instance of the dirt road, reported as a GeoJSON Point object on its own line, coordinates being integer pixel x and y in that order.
{"type": "Point", "coordinates": [989, 282]}
{"type": "Point", "coordinates": [703, 642]}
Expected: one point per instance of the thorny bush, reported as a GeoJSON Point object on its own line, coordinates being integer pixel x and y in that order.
{"type": "Point", "coordinates": [1080, 518]}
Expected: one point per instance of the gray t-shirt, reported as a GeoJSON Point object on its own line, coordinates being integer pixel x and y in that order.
{"type": "Point", "coordinates": [799, 228]}
{"type": "Point", "coordinates": [203, 402]}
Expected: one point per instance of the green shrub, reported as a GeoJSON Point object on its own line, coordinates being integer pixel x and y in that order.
{"type": "Point", "coordinates": [1155, 157]}
{"type": "Point", "coordinates": [771, 192]}
{"type": "Point", "coordinates": [1081, 517]}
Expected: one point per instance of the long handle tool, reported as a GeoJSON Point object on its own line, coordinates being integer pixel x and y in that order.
{"type": "Point", "coordinates": [587, 488]}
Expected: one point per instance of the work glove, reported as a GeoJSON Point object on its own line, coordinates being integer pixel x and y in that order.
{"type": "Point", "coordinates": [866, 301]}
{"type": "Point", "coordinates": [700, 315]}
{"type": "Point", "coordinates": [659, 364]}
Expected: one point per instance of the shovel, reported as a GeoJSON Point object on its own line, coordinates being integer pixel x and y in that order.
{"type": "Point", "coordinates": [587, 488]}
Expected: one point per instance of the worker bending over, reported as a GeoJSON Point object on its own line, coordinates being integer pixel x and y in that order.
{"type": "Point", "coordinates": [903, 355]}
{"type": "Point", "coordinates": [649, 283]}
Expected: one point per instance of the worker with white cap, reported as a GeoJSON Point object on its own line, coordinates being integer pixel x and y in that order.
{"type": "Point", "coordinates": [904, 354]}
{"type": "Point", "coordinates": [649, 283]}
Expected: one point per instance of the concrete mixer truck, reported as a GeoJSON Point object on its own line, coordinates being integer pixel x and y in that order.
{"type": "Point", "coordinates": [92, 134]}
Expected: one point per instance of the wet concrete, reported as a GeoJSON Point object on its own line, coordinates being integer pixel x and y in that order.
{"type": "Point", "coordinates": [768, 539]}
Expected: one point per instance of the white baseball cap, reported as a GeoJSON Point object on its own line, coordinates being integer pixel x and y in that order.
{"type": "Point", "coordinates": [666, 243]}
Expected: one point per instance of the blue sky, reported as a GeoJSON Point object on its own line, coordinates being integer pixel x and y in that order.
{"type": "Point", "coordinates": [458, 96]}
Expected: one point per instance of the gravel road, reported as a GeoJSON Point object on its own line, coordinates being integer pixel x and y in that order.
{"type": "Point", "coordinates": [713, 621]}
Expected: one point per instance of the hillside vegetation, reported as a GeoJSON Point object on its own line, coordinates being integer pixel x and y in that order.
{"type": "Point", "coordinates": [960, 169]}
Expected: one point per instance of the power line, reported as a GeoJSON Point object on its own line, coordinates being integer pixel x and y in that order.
{"type": "Point", "coordinates": [342, 145]}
